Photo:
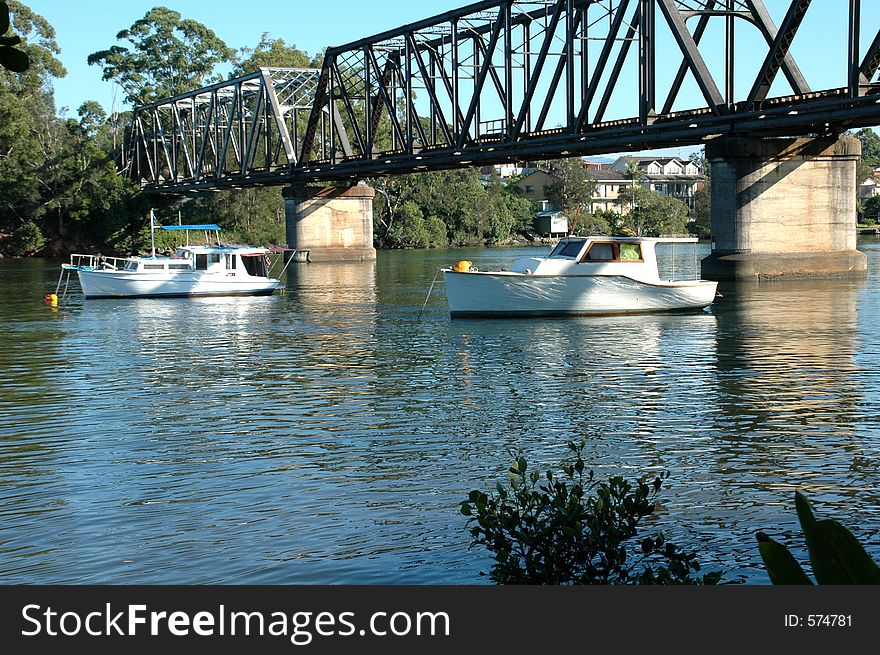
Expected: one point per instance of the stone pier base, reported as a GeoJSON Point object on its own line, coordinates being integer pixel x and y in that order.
{"type": "Point", "coordinates": [330, 223]}
{"type": "Point", "coordinates": [783, 208]}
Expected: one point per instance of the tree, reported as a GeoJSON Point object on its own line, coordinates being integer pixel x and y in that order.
{"type": "Point", "coordinates": [166, 55]}
{"type": "Point", "coordinates": [701, 214]}
{"type": "Point", "coordinates": [651, 213]}
{"type": "Point", "coordinates": [573, 189]}
{"type": "Point", "coordinates": [273, 53]}
{"type": "Point", "coordinates": [870, 160]}
{"type": "Point", "coordinates": [471, 212]}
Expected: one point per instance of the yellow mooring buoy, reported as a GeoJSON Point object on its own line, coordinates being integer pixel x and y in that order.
{"type": "Point", "coordinates": [51, 299]}
{"type": "Point", "coordinates": [461, 267]}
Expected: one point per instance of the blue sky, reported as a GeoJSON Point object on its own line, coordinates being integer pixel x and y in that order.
{"type": "Point", "coordinates": [89, 25]}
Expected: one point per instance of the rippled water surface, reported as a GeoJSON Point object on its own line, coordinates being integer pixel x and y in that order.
{"type": "Point", "coordinates": [328, 435]}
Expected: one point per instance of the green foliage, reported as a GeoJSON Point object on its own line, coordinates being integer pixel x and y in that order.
{"type": "Point", "coordinates": [651, 214]}
{"type": "Point", "coordinates": [573, 189]}
{"type": "Point", "coordinates": [271, 52]}
{"type": "Point", "coordinates": [601, 221]}
{"type": "Point", "coordinates": [871, 207]}
{"type": "Point", "coordinates": [836, 555]}
{"type": "Point", "coordinates": [870, 153]}
{"type": "Point", "coordinates": [10, 58]}
{"type": "Point", "coordinates": [166, 55]}
{"type": "Point", "coordinates": [701, 214]}
{"type": "Point", "coordinates": [570, 529]}
{"type": "Point", "coordinates": [438, 208]}
{"type": "Point", "coordinates": [26, 240]}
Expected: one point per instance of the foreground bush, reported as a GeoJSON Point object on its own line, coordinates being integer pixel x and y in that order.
{"type": "Point", "coordinates": [567, 528]}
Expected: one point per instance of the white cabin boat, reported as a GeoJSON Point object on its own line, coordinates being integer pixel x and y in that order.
{"type": "Point", "coordinates": [210, 270]}
{"type": "Point", "coordinates": [582, 276]}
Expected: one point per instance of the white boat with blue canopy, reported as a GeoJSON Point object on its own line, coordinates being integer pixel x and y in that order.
{"type": "Point", "coordinates": [582, 276]}
{"type": "Point", "coordinates": [192, 270]}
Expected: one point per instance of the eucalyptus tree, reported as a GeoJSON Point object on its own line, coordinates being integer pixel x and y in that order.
{"type": "Point", "coordinates": [163, 54]}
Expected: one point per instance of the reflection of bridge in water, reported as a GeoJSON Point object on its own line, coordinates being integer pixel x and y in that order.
{"type": "Point", "coordinates": [508, 80]}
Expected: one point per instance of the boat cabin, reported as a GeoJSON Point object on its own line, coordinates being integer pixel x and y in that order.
{"type": "Point", "coordinates": [632, 257]}
{"type": "Point", "coordinates": [228, 260]}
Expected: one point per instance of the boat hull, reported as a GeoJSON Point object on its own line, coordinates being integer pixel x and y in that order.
{"type": "Point", "coordinates": [123, 284]}
{"type": "Point", "coordinates": [485, 294]}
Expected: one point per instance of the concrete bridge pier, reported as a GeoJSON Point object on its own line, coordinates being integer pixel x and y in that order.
{"type": "Point", "coordinates": [783, 208]}
{"type": "Point", "coordinates": [331, 223]}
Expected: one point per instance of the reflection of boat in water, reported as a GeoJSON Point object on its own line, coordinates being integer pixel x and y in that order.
{"type": "Point", "coordinates": [210, 270]}
{"type": "Point", "coordinates": [581, 276]}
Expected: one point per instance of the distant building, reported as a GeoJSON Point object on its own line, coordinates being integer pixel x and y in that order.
{"type": "Point", "coordinates": [609, 185]}
{"type": "Point", "coordinates": [536, 185]}
{"type": "Point", "coordinates": [670, 176]}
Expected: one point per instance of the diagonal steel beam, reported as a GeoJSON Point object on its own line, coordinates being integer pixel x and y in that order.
{"type": "Point", "coordinates": [692, 55]}
{"type": "Point", "coordinates": [599, 70]}
{"type": "Point", "coordinates": [536, 71]}
{"type": "Point", "coordinates": [383, 95]}
{"type": "Point", "coordinates": [871, 62]}
{"type": "Point", "coordinates": [702, 24]}
{"type": "Point", "coordinates": [563, 64]}
{"type": "Point", "coordinates": [774, 59]}
{"type": "Point", "coordinates": [430, 87]}
{"type": "Point", "coordinates": [349, 108]}
{"type": "Point", "coordinates": [481, 81]}
{"type": "Point", "coordinates": [765, 24]}
{"type": "Point", "coordinates": [317, 108]}
{"type": "Point", "coordinates": [618, 64]}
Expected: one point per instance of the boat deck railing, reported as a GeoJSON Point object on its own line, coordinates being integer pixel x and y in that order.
{"type": "Point", "coordinates": [98, 262]}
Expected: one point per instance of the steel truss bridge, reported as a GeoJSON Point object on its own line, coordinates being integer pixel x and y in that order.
{"type": "Point", "coordinates": [511, 80]}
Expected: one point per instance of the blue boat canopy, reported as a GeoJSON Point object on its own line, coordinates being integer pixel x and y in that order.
{"type": "Point", "coordinates": [211, 227]}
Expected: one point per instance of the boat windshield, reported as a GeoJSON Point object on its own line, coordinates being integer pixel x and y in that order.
{"type": "Point", "coordinates": [570, 248]}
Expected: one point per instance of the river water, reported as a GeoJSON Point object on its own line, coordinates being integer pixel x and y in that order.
{"type": "Point", "coordinates": [328, 435]}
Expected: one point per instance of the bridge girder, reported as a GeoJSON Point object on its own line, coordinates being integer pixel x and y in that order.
{"type": "Point", "coordinates": [503, 80]}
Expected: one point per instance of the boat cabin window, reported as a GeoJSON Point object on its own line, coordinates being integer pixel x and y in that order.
{"type": "Point", "coordinates": [131, 266]}
{"type": "Point", "coordinates": [630, 252]}
{"type": "Point", "coordinates": [230, 262]}
{"type": "Point", "coordinates": [178, 267]}
{"type": "Point", "coordinates": [568, 248]}
{"type": "Point", "coordinates": [600, 252]}
{"type": "Point", "coordinates": [606, 251]}
{"type": "Point", "coordinates": [255, 265]}
{"type": "Point", "coordinates": [154, 267]}
{"type": "Point", "coordinates": [201, 261]}
{"type": "Point", "coordinates": [214, 258]}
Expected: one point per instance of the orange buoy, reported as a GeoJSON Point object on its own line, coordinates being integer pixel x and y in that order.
{"type": "Point", "coordinates": [51, 299]}
{"type": "Point", "coordinates": [461, 267]}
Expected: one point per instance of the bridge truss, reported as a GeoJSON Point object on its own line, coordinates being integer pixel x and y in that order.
{"type": "Point", "coordinates": [508, 80]}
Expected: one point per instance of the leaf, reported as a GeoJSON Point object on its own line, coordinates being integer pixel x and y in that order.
{"type": "Point", "coordinates": [781, 564]}
{"type": "Point", "coordinates": [836, 555]}
{"type": "Point", "coordinates": [4, 17]}
{"type": "Point", "coordinates": [14, 60]}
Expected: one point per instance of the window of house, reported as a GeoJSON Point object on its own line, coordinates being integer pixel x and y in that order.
{"type": "Point", "coordinates": [530, 188]}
